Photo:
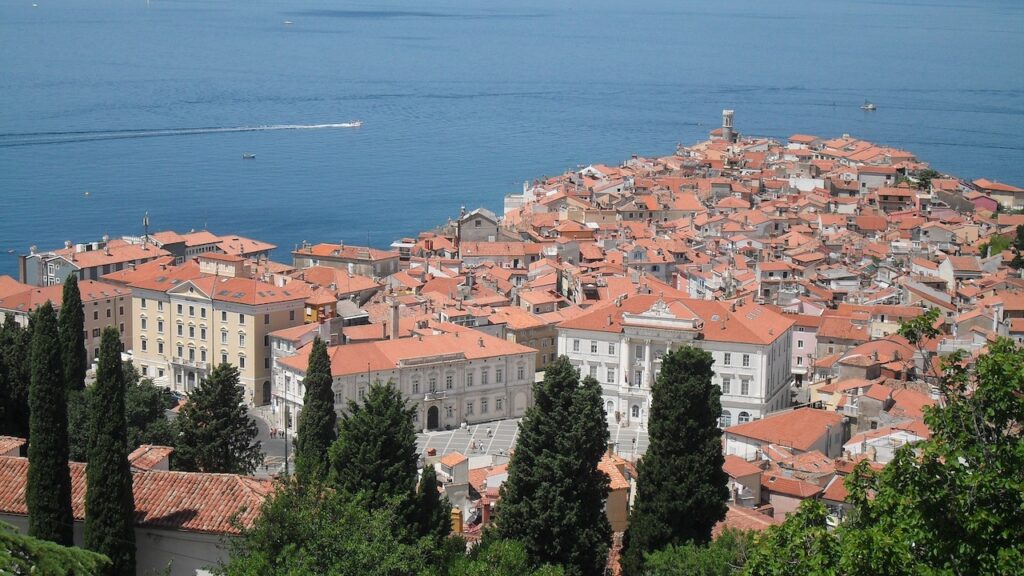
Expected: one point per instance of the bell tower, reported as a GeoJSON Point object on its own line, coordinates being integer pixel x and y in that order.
{"type": "Point", "coordinates": [727, 132]}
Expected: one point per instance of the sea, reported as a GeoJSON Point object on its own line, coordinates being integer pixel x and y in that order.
{"type": "Point", "coordinates": [112, 109]}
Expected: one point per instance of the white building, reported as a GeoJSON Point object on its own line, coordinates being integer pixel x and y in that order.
{"type": "Point", "coordinates": [450, 377]}
{"type": "Point", "coordinates": [621, 345]}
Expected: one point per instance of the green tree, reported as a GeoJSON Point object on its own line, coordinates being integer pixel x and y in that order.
{"type": "Point", "coordinates": [925, 177]}
{"type": "Point", "coordinates": [318, 422]}
{"type": "Point", "coordinates": [80, 431]}
{"type": "Point", "coordinates": [146, 414]}
{"type": "Point", "coordinates": [498, 558]}
{"type": "Point", "coordinates": [313, 530]}
{"type": "Point", "coordinates": [72, 335]}
{"type": "Point", "coordinates": [434, 510]}
{"type": "Point", "coordinates": [681, 486]}
{"type": "Point", "coordinates": [801, 546]}
{"type": "Point", "coordinates": [217, 434]}
{"type": "Point", "coordinates": [1018, 247]}
{"type": "Point", "coordinates": [375, 453]}
{"type": "Point", "coordinates": [15, 375]}
{"type": "Point", "coordinates": [48, 494]}
{"type": "Point", "coordinates": [724, 556]}
{"type": "Point", "coordinates": [553, 498]}
{"type": "Point", "coordinates": [21, 554]}
{"type": "Point", "coordinates": [995, 245]}
{"type": "Point", "coordinates": [109, 502]}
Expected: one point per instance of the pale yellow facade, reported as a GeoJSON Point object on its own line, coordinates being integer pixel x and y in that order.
{"type": "Point", "coordinates": [180, 335]}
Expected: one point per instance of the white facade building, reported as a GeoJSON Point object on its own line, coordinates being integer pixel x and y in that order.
{"type": "Point", "coordinates": [621, 345]}
{"type": "Point", "coordinates": [451, 378]}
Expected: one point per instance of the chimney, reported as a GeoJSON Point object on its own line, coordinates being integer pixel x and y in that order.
{"type": "Point", "coordinates": [393, 303]}
{"type": "Point", "coordinates": [481, 340]}
{"type": "Point", "coordinates": [609, 319]}
{"type": "Point", "coordinates": [485, 511]}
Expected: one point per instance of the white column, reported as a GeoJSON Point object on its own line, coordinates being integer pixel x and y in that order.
{"type": "Point", "coordinates": [648, 365]}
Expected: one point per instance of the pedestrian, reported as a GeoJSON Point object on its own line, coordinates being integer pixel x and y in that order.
{"type": "Point", "coordinates": [273, 432]}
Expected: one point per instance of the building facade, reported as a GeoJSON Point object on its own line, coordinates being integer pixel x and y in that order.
{"type": "Point", "coordinates": [621, 345]}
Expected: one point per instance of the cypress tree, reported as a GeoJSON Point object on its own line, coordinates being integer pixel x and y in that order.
{"type": "Point", "coordinates": [553, 498]}
{"type": "Point", "coordinates": [375, 453]}
{"type": "Point", "coordinates": [72, 335]}
{"type": "Point", "coordinates": [318, 422]}
{"type": "Point", "coordinates": [681, 486]}
{"type": "Point", "coordinates": [109, 502]}
{"type": "Point", "coordinates": [217, 433]}
{"type": "Point", "coordinates": [435, 519]}
{"type": "Point", "coordinates": [16, 367]}
{"type": "Point", "coordinates": [48, 494]}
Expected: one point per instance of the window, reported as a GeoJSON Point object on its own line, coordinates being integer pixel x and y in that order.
{"type": "Point", "coordinates": [266, 363]}
{"type": "Point", "coordinates": [575, 345]}
{"type": "Point", "coordinates": [725, 420]}
{"type": "Point", "coordinates": [727, 359]}
{"type": "Point", "coordinates": [191, 331]}
{"type": "Point", "coordinates": [831, 350]}
{"type": "Point", "coordinates": [202, 312]}
{"type": "Point", "coordinates": [159, 306]}
{"type": "Point", "coordinates": [223, 358]}
{"type": "Point", "coordinates": [593, 346]}
{"type": "Point", "coordinates": [224, 337]}
{"type": "Point", "coordinates": [520, 373]}
{"type": "Point", "coordinates": [108, 312]}
{"type": "Point", "coordinates": [469, 408]}
{"type": "Point", "coordinates": [160, 326]}
{"type": "Point", "coordinates": [144, 345]}
{"type": "Point", "coordinates": [223, 316]}
{"type": "Point", "coordinates": [181, 330]}
{"type": "Point", "coordinates": [726, 384]}
{"type": "Point", "coordinates": [799, 343]}
{"type": "Point", "coordinates": [469, 379]}
{"type": "Point", "coordinates": [499, 375]}
{"type": "Point", "coordinates": [180, 308]}
{"type": "Point", "coordinates": [636, 410]}
{"type": "Point", "coordinates": [593, 371]}
{"type": "Point", "coordinates": [142, 322]}
{"type": "Point", "coordinates": [639, 378]}
{"type": "Point", "coordinates": [639, 352]}
{"type": "Point", "coordinates": [142, 302]}
{"type": "Point", "coordinates": [745, 387]}
{"type": "Point", "coordinates": [799, 360]}
{"type": "Point", "coordinates": [191, 310]}
{"type": "Point", "coordinates": [181, 351]}
{"type": "Point", "coordinates": [484, 376]}
{"type": "Point", "coordinates": [241, 318]}
{"type": "Point", "coordinates": [120, 310]}
{"type": "Point", "coordinates": [449, 382]}
{"type": "Point", "coordinates": [266, 318]}
{"type": "Point", "coordinates": [743, 418]}
{"type": "Point", "coordinates": [202, 333]}
{"type": "Point", "coordinates": [746, 360]}
{"type": "Point", "coordinates": [416, 386]}
{"type": "Point", "coordinates": [433, 383]}
{"type": "Point", "coordinates": [483, 406]}
{"type": "Point", "coordinates": [266, 339]}
{"type": "Point", "coordinates": [611, 376]}
{"type": "Point", "coordinates": [499, 404]}
{"type": "Point", "coordinates": [95, 314]}
{"type": "Point", "coordinates": [160, 347]}
{"type": "Point", "coordinates": [611, 349]}
{"type": "Point", "coordinates": [291, 315]}
{"type": "Point", "coordinates": [362, 393]}
{"type": "Point", "coordinates": [241, 361]}
{"type": "Point", "coordinates": [448, 411]}
{"type": "Point", "coordinates": [241, 340]}
{"type": "Point", "coordinates": [160, 372]}
{"type": "Point", "coordinates": [191, 354]}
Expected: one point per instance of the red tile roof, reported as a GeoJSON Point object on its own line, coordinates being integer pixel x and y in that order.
{"type": "Point", "coordinates": [799, 429]}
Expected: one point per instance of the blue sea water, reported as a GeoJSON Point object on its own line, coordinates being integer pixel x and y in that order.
{"type": "Point", "coordinates": [136, 101]}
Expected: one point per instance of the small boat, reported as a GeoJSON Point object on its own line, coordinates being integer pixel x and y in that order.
{"type": "Point", "coordinates": [248, 156]}
{"type": "Point", "coordinates": [87, 194]}
{"type": "Point", "coordinates": [868, 106]}
{"type": "Point", "coordinates": [288, 22]}
{"type": "Point", "coordinates": [354, 124]}
{"type": "Point", "coordinates": [11, 251]}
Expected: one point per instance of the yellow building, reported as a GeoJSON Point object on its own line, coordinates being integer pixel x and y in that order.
{"type": "Point", "coordinates": [185, 323]}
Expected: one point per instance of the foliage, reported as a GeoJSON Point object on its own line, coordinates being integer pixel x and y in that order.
{"type": "Point", "coordinates": [1018, 248]}
{"type": "Point", "coordinates": [996, 244]}
{"type": "Point", "coordinates": [924, 178]}
{"type": "Point", "coordinates": [951, 505]}
{"type": "Point", "coordinates": [72, 335]}
{"type": "Point", "coordinates": [309, 529]}
{"type": "Point", "coordinates": [375, 453]}
{"type": "Point", "coordinates": [318, 422]}
{"type": "Point", "coordinates": [217, 434]}
{"type": "Point", "coordinates": [724, 556]}
{"type": "Point", "coordinates": [145, 406]}
{"type": "Point", "coordinates": [21, 554]}
{"type": "Point", "coordinates": [681, 486]}
{"type": "Point", "coordinates": [48, 494]}
{"type": "Point", "coordinates": [434, 510]}
{"type": "Point", "coordinates": [553, 498]}
{"type": "Point", "coordinates": [79, 424]}
{"type": "Point", "coordinates": [109, 503]}
{"type": "Point", "coordinates": [499, 558]}
{"type": "Point", "coordinates": [15, 375]}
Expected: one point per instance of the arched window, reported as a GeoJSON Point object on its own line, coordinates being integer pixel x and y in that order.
{"type": "Point", "coordinates": [743, 417]}
{"type": "Point", "coordinates": [636, 410]}
{"type": "Point", "coordinates": [725, 420]}
{"type": "Point", "coordinates": [609, 407]}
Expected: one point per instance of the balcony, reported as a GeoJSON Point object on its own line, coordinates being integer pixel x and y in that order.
{"type": "Point", "coordinates": [185, 362]}
{"type": "Point", "coordinates": [435, 396]}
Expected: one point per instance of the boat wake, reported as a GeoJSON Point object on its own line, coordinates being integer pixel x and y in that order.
{"type": "Point", "coordinates": [40, 138]}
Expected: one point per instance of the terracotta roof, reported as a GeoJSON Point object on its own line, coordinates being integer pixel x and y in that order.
{"type": "Point", "coordinates": [744, 519]}
{"type": "Point", "coordinates": [789, 486]}
{"type": "Point", "coordinates": [346, 252]}
{"type": "Point", "coordinates": [986, 184]}
{"type": "Point", "coordinates": [453, 459]}
{"type": "Point", "coordinates": [8, 443]}
{"type": "Point", "coordinates": [610, 464]}
{"type": "Point", "coordinates": [835, 490]}
{"type": "Point", "coordinates": [799, 429]}
{"type": "Point", "coordinates": [115, 252]}
{"type": "Point", "coordinates": [738, 467]}
{"type": "Point", "coordinates": [190, 501]}
{"type": "Point", "coordinates": [146, 456]}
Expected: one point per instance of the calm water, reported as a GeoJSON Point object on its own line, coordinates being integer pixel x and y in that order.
{"type": "Point", "coordinates": [462, 100]}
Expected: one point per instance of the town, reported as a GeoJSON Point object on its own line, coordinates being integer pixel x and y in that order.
{"type": "Point", "coordinates": [792, 264]}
